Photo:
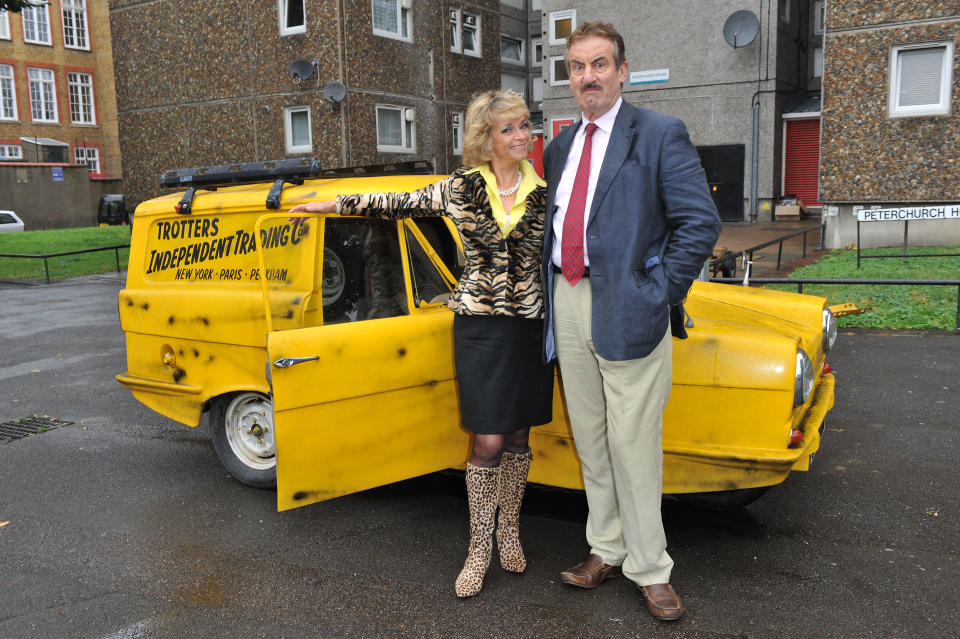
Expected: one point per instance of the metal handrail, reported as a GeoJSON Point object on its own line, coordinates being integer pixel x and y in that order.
{"type": "Point", "coordinates": [732, 257]}
{"type": "Point", "coordinates": [800, 281]}
{"type": "Point", "coordinates": [46, 265]}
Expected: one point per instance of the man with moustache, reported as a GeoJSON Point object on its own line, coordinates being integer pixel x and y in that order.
{"type": "Point", "coordinates": [629, 224]}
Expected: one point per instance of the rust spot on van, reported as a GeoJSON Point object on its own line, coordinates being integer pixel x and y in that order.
{"type": "Point", "coordinates": [129, 302]}
{"type": "Point", "coordinates": [563, 442]}
{"type": "Point", "coordinates": [296, 300]}
{"type": "Point", "coordinates": [196, 353]}
{"type": "Point", "coordinates": [288, 314]}
{"type": "Point", "coordinates": [206, 321]}
{"type": "Point", "coordinates": [171, 320]}
{"type": "Point", "coordinates": [145, 306]}
{"type": "Point", "coordinates": [300, 495]}
{"type": "Point", "coordinates": [401, 352]}
{"type": "Point", "coordinates": [179, 374]}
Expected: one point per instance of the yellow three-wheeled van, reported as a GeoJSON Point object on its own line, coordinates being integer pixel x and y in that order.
{"type": "Point", "coordinates": [322, 352]}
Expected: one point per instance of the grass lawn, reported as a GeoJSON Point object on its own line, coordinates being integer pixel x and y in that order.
{"type": "Point", "coordinates": [894, 307]}
{"type": "Point", "coordinates": [59, 241]}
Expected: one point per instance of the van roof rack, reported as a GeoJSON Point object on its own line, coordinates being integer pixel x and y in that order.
{"type": "Point", "coordinates": [293, 171]}
{"type": "Point", "coordinates": [412, 167]}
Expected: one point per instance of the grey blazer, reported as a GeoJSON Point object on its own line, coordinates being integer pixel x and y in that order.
{"type": "Point", "coordinates": [650, 227]}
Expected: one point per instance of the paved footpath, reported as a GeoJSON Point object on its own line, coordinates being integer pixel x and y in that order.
{"type": "Point", "coordinates": [123, 525]}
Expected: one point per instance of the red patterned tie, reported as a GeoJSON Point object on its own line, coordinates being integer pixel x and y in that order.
{"type": "Point", "coordinates": [571, 244]}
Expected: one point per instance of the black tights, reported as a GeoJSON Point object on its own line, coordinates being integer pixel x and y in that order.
{"type": "Point", "coordinates": [487, 448]}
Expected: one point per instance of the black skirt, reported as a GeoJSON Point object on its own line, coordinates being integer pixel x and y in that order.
{"type": "Point", "coordinates": [503, 384]}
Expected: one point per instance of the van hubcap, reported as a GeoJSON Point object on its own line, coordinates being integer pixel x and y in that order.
{"type": "Point", "coordinates": [250, 432]}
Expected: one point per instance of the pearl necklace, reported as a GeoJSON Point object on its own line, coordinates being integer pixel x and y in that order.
{"type": "Point", "coordinates": [512, 189]}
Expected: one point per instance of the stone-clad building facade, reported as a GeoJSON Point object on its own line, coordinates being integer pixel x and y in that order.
{"type": "Point", "coordinates": [891, 117]}
{"type": "Point", "coordinates": [215, 86]}
{"type": "Point", "coordinates": [57, 102]}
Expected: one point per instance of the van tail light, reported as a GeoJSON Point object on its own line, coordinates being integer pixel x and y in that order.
{"type": "Point", "coordinates": [827, 369]}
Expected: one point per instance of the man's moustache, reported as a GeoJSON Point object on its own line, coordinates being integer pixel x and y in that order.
{"type": "Point", "coordinates": [589, 86]}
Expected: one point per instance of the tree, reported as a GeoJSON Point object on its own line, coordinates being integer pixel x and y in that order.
{"type": "Point", "coordinates": [14, 6]}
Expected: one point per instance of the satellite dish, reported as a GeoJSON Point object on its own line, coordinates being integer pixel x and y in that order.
{"type": "Point", "coordinates": [300, 70]}
{"type": "Point", "coordinates": [741, 28]}
{"type": "Point", "coordinates": [334, 92]}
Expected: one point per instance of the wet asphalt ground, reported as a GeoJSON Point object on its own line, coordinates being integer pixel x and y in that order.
{"type": "Point", "coordinates": [124, 525]}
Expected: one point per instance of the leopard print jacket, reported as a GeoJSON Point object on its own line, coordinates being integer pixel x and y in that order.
{"type": "Point", "coordinates": [501, 275]}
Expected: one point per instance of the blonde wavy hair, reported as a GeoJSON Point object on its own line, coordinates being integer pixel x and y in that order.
{"type": "Point", "coordinates": [485, 110]}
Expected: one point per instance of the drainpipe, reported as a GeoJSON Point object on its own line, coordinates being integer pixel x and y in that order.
{"type": "Point", "coordinates": [754, 157]}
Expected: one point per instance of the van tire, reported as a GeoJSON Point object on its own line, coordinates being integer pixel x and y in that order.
{"type": "Point", "coordinates": [249, 455]}
{"type": "Point", "coordinates": [723, 499]}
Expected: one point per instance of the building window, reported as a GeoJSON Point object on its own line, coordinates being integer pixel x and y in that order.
{"type": "Point", "coordinates": [80, 86]}
{"type": "Point", "coordinates": [785, 10]}
{"type": "Point", "coordinates": [4, 25]}
{"type": "Point", "coordinates": [558, 71]}
{"type": "Point", "coordinates": [511, 50]}
{"type": "Point", "coordinates": [819, 17]}
{"type": "Point", "coordinates": [391, 19]}
{"type": "Point", "coordinates": [8, 94]}
{"type": "Point", "coordinates": [75, 34]}
{"type": "Point", "coordinates": [457, 133]}
{"type": "Point", "coordinates": [818, 62]}
{"type": "Point", "coordinates": [11, 152]}
{"type": "Point", "coordinates": [36, 24]}
{"type": "Point", "coordinates": [920, 79]}
{"type": "Point", "coordinates": [536, 52]}
{"type": "Point", "coordinates": [43, 95]}
{"type": "Point", "coordinates": [395, 129]}
{"type": "Point", "coordinates": [464, 32]}
{"type": "Point", "coordinates": [537, 90]}
{"type": "Point", "coordinates": [456, 42]}
{"type": "Point", "coordinates": [293, 18]}
{"type": "Point", "coordinates": [89, 155]}
{"type": "Point", "coordinates": [562, 24]}
{"type": "Point", "coordinates": [515, 83]}
{"type": "Point", "coordinates": [298, 133]}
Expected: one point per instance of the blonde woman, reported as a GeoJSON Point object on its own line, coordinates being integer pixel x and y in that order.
{"type": "Point", "coordinates": [497, 204]}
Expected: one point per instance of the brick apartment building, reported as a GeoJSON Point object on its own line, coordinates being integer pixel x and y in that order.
{"type": "Point", "coordinates": [57, 101]}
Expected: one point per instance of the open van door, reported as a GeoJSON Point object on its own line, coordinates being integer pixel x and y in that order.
{"type": "Point", "coordinates": [360, 365]}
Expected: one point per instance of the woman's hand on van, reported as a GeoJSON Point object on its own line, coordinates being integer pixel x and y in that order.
{"type": "Point", "coordinates": [327, 206]}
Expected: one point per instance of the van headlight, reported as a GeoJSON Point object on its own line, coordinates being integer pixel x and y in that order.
{"type": "Point", "coordinates": [803, 382]}
{"type": "Point", "coordinates": [829, 330]}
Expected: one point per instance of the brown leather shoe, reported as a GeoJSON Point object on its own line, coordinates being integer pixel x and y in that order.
{"type": "Point", "coordinates": [662, 602]}
{"type": "Point", "coordinates": [589, 573]}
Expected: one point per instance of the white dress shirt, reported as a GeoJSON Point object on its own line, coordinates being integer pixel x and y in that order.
{"type": "Point", "coordinates": [601, 137]}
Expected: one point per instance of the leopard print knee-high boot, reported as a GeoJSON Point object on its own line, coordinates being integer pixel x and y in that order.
{"type": "Point", "coordinates": [513, 480]}
{"type": "Point", "coordinates": [482, 489]}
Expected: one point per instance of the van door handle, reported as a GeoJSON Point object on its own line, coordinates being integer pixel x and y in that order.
{"type": "Point", "coordinates": [287, 362]}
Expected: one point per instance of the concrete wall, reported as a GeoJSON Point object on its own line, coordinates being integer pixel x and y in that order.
{"type": "Point", "coordinates": [44, 203]}
{"type": "Point", "coordinates": [841, 229]}
{"type": "Point", "coordinates": [711, 84]}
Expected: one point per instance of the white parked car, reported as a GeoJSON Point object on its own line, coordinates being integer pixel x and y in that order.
{"type": "Point", "coordinates": [10, 222]}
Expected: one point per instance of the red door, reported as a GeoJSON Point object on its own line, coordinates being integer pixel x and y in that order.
{"type": "Point", "coordinates": [801, 165]}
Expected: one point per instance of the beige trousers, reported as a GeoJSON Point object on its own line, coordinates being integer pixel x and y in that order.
{"type": "Point", "coordinates": [616, 414]}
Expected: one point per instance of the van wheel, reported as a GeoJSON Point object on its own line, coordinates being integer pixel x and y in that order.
{"type": "Point", "coordinates": [723, 499]}
{"type": "Point", "coordinates": [244, 437]}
